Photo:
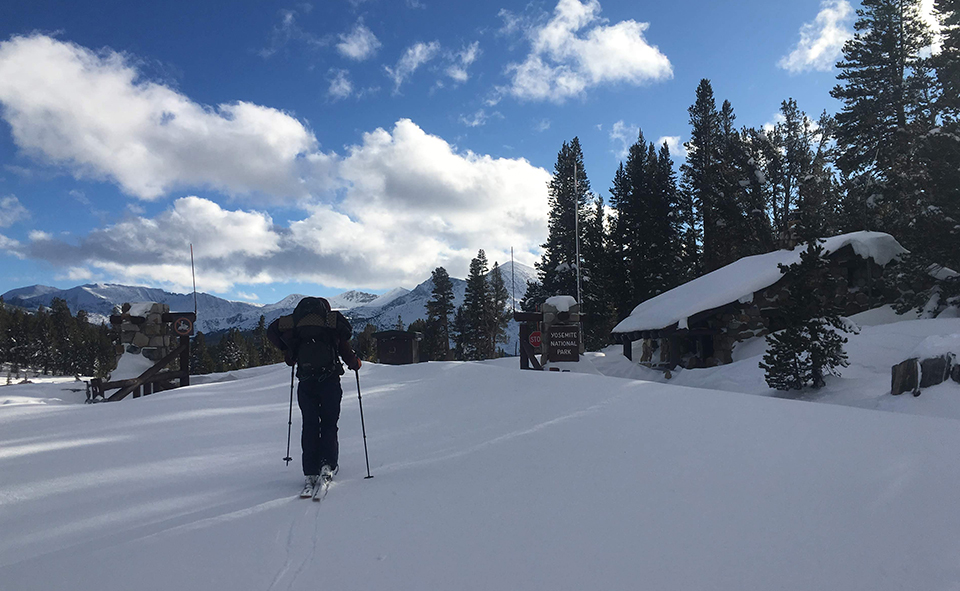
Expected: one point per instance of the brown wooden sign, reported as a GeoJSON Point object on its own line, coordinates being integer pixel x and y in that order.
{"type": "Point", "coordinates": [563, 343]}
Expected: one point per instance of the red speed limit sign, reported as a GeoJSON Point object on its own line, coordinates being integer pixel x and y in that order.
{"type": "Point", "coordinates": [535, 338]}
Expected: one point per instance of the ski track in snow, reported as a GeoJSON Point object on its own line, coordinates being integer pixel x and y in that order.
{"type": "Point", "coordinates": [445, 455]}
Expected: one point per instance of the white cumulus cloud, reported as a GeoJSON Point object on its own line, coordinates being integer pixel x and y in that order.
{"type": "Point", "coordinates": [409, 202]}
{"type": "Point", "coordinates": [359, 44]}
{"type": "Point", "coordinates": [821, 41]}
{"type": "Point", "coordinates": [575, 51]}
{"type": "Point", "coordinates": [383, 212]}
{"type": "Point", "coordinates": [93, 113]}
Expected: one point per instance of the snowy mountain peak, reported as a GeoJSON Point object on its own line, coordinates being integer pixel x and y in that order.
{"type": "Point", "coordinates": [388, 297]}
{"type": "Point", "coordinates": [351, 299]}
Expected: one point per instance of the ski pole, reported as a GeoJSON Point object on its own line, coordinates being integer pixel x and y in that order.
{"type": "Point", "coordinates": [360, 400]}
{"type": "Point", "coordinates": [289, 420]}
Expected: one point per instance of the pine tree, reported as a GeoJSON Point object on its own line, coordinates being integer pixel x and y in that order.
{"type": "Point", "coordinates": [809, 347]}
{"type": "Point", "coordinates": [701, 175]}
{"type": "Point", "coordinates": [475, 311]}
{"type": "Point", "coordinates": [459, 332]}
{"type": "Point", "coordinates": [621, 291]}
{"type": "Point", "coordinates": [533, 297]}
{"type": "Point", "coordinates": [634, 219]}
{"type": "Point", "coordinates": [568, 192]}
{"type": "Point", "coordinates": [884, 86]}
{"type": "Point", "coordinates": [498, 315]}
{"type": "Point", "coordinates": [232, 351]}
{"type": "Point", "coordinates": [436, 340]}
{"type": "Point", "coordinates": [201, 361]}
{"type": "Point", "coordinates": [364, 343]}
{"type": "Point", "coordinates": [938, 224]}
{"type": "Point", "coordinates": [597, 306]}
{"type": "Point", "coordinates": [947, 61]}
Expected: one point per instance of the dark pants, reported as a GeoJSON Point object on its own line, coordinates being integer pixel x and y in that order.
{"type": "Point", "coordinates": [320, 408]}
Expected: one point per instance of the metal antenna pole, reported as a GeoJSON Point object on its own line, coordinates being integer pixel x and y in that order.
{"type": "Point", "coordinates": [576, 224]}
{"type": "Point", "coordinates": [513, 281]}
{"type": "Point", "coordinates": [194, 274]}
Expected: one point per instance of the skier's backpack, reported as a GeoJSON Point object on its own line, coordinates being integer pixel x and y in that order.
{"type": "Point", "coordinates": [316, 338]}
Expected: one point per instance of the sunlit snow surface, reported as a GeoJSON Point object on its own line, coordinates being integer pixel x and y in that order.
{"type": "Point", "coordinates": [488, 477]}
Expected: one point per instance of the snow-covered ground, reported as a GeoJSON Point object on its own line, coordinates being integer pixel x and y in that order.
{"type": "Point", "coordinates": [488, 477]}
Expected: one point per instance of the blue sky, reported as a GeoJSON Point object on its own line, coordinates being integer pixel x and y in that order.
{"type": "Point", "coordinates": [324, 146]}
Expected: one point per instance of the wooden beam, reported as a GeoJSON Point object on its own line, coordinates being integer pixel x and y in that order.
{"type": "Point", "coordinates": [528, 316]}
{"type": "Point", "coordinates": [126, 318]}
{"type": "Point", "coordinates": [123, 392]}
{"type": "Point", "coordinates": [171, 316]}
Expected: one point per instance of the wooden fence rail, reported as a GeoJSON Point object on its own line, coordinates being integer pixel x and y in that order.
{"type": "Point", "coordinates": [150, 381]}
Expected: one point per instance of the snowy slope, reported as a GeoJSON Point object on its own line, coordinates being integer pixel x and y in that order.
{"type": "Point", "coordinates": [486, 477]}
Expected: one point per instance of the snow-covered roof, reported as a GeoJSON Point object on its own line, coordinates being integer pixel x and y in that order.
{"type": "Point", "coordinates": [739, 280]}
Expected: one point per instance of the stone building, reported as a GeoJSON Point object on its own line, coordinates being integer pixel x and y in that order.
{"type": "Point", "coordinates": [699, 323]}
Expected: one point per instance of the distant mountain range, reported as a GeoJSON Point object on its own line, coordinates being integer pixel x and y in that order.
{"type": "Point", "coordinates": [216, 314]}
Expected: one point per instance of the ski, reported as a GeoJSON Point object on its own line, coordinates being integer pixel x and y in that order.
{"type": "Point", "coordinates": [323, 485]}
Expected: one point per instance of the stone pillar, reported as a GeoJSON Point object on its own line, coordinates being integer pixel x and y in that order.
{"type": "Point", "coordinates": [142, 330]}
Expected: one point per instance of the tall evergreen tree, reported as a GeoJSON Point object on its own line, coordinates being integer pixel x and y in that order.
{"type": "Point", "coordinates": [266, 352]}
{"type": "Point", "coordinates": [499, 314]}
{"type": "Point", "coordinates": [436, 341]}
{"type": "Point", "coordinates": [947, 61]}
{"type": "Point", "coordinates": [533, 296]}
{"type": "Point", "coordinates": [701, 175]}
{"type": "Point", "coordinates": [476, 310]}
{"type": "Point", "coordinates": [201, 361]}
{"type": "Point", "coordinates": [568, 193]}
{"type": "Point", "coordinates": [232, 351]}
{"type": "Point", "coordinates": [621, 291]}
{"type": "Point", "coordinates": [884, 85]}
{"type": "Point", "coordinates": [597, 305]}
{"type": "Point", "coordinates": [364, 344]}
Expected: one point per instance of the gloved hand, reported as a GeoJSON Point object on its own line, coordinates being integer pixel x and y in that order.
{"type": "Point", "coordinates": [355, 365]}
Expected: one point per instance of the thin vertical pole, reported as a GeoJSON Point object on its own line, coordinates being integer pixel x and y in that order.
{"type": "Point", "coordinates": [576, 224]}
{"type": "Point", "coordinates": [287, 458]}
{"type": "Point", "coordinates": [513, 284]}
{"type": "Point", "coordinates": [194, 274]}
{"type": "Point", "coordinates": [513, 281]}
{"type": "Point", "coordinates": [362, 426]}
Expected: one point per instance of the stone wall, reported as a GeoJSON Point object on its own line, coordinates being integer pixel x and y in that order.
{"type": "Point", "coordinates": [142, 330]}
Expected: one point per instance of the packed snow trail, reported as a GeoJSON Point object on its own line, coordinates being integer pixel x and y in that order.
{"type": "Point", "coordinates": [677, 488]}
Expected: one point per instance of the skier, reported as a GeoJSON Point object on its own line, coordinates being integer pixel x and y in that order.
{"type": "Point", "coordinates": [315, 339]}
